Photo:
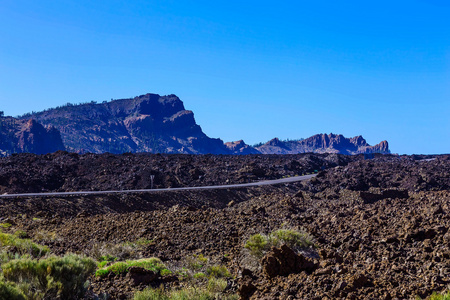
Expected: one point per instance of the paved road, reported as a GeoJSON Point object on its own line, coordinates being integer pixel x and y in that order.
{"type": "Point", "coordinates": [211, 187]}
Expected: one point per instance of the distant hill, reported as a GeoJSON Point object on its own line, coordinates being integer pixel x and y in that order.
{"type": "Point", "coordinates": [323, 143]}
{"type": "Point", "coordinates": [147, 123]}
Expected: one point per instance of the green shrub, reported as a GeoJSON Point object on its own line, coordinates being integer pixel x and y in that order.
{"type": "Point", "coordinates": [258, 243]}
{"type": "Point", "coordinates": [21, 246]}
{"type": "Point", "coordinates": [153, 264]}
{"type": "Point", "coordinates": [9, 291]}
{"type": "Point", "coordinates": [108, 258]}
{"type": "Point", "coordinates": [5, 225]}
{"type": "Point", "coordinates": [63, 277]}
{"type": "Point", "coordinates": [436, 296]}
{"type": "Point", "coordinates": [216, 285]}
{"type": "Point", "coordinates": [21, 234]}
{"type": "Point", "coordinates": [218, 271]}
{"type": "Point", "coordinates": [151, 294]}
{"type": "Point", "coordinates": [292, 238]}
{"type": "Point", "coordinates": [187, 293]}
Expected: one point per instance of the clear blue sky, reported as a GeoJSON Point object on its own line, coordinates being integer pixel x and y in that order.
{"type": "Point", "coordinates": [249, 70]}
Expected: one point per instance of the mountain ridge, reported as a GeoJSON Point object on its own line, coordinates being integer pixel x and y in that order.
{"type": "Point", "coordinates": [159, 124]}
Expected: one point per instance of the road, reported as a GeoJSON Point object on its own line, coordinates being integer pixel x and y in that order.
{"type": "Point", "coordinates": [211, 187]}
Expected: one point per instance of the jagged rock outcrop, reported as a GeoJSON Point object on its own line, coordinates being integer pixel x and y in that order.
{"type": "Point", "coordinates": [18, 136]}
{"type": "Point", "coordinates": [323, 143]}
{"type": "Point", "coordinates": [148, 123]}
{"type": "Point", "coordinates": [240, 147]}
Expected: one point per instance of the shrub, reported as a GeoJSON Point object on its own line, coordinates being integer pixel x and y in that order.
{"type": "Point", "coordinates": [218, 271]}
{"type": "Point", "coordinates": [436, 296]}
{"type": "Point", "coordinates": [63, 277]}
{"type": "Point", "coordinates": [153, 264]}
{"type": "Point", "coordinates": [22, 246]}
{"type": "Point", "coordinates": [216, 285]}
{"type": "Point", "coordinates": [188, 293]}
{"type": "Point", "coordinates": [9, 291]}
{"type": "Point", "coordinates": [21, 234]}
{"type": "Point", "coordinates": [292, 238]}
{"type": "Point", "coordinates": [258, 243]}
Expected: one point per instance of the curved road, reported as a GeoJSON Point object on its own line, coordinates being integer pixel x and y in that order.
{"type": "Point", "coordinates": [211, 187]}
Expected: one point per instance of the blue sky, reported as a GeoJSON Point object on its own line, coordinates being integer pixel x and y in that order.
{"type": "Point", "coordinates": [253, 70]}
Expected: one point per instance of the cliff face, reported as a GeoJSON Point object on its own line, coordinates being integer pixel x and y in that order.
{"type": "Point", "coordinates": [17, 136]}
{"type": "Point", "coordinates": [148, 123]}
{"type": "Point", "coordinates": [323, 143]}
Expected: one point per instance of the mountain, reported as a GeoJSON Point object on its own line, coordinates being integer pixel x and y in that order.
{"type": "Point", "coordinates": [323, 143]}
{"type": "Point", "coordinates": [148, 123]}
{"type": "Point", "coordinates": [17, 136]}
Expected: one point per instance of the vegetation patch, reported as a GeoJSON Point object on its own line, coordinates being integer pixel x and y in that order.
{"type": "Point", "coordinates": [188, 293]}
{"type": "Point", "coordinates": [153, 264]}
{"type": "Point", "coordinates": [259, 243]}
{"type": "Point", "coordinates": [436, 296]}
{"type": "Point", "coordinates": [47, 278]}
{"type": "Point", "coordinates": [18, 246]}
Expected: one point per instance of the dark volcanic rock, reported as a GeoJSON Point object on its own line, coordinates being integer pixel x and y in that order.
{"type": "Point", "coordinates": [284, 261]}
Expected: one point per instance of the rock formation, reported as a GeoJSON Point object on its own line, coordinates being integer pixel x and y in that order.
{"type": "Point", "coordinates": [323, 143]}
{"type": "Point", "coordinates": [148, 123]}
{"type": "Point", "coordinates": [17, 136]}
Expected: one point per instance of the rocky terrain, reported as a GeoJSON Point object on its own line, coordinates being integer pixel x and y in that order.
{"type": "Point", "coordinates": [323, 143]}
{"type": "Point", "coordinates": [380, 227]}
{"type": "Point", "coordinates": [63, 171]}
{"type": "Point", "coordinates": [18, 136]}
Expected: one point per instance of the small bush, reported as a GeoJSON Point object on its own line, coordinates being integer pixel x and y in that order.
{"type": "Point", "coordinates": [188, 293]}
{"type": "Point", "coordinates": [216, 285]}
{"type": "Point", "coordinates": [21, 234]}
{"type": "Point", "coordinates": [218, 271]}
{"type": "Point", "coordinates": [9, 291]}
{"type": "Point", "coordinates": [153, 264]}
{"type": "Point", "coordinates": [21, 246]}
{"type": "Point", "coordinates": [258, 244]}
{"type": "Point", "coordinates": [436, 296]}
{"type": "Point", "coordinates": [292, 238]}
{"type": "Point", "coordinates": [63, 277]}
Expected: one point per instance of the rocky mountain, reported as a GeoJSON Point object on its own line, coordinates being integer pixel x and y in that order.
{"type": "Point", "coordinates": [156, 124]}
{"type": "Point", "coordinates": [17, 136]}
{"type": "Point", "coordinates": [148, 123]}
{"type": "Point", "coordinates": [323, 143]}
